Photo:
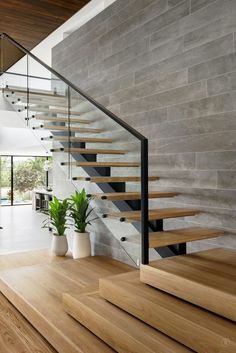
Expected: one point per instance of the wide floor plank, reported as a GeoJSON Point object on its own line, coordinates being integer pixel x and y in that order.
{"type": "Point", "coordinates": [38, 293]}
{"type": "Point", "coordinates": [16, 333]}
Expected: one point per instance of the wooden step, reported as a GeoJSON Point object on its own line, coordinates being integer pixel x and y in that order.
{"type": "Point", "coordinates": [78, 139]}
{"type": "Point", "coordinates": [53, 111]}
{"type": "Point", "coordinates": [102, 164]}
{"type": "Point", "coordinates": [194, 327]}
{"type": "Point", "coordinates": [71, 128]}
{"type": "Point", "coordinates": [207, 282]}
{"type": "Point", "coordinates": [117, 328]}
{"type": "Point", "coordinates": [38, 296]}
{"type": "Point", "coordinates": [62, 120]}
{"type": "Point", "coordinates": [32, 91]}
{"type": "Point", "coordinates": [123, 179]}
{"type": "Point", "coordinates": [44, 101]}
{"type": "Point", "coordinates": [116, 196]}
{"type": "Point", "coordinates": [94, 151]}
{"type": "Point", "coordinates": [135, 216]}
{"type": "Point", "coordinates": [178, 236]}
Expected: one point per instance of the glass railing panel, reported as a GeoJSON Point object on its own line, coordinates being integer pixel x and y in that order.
{"type": "Point", "coordinates": [48, 108]}
{"type": "Point", "coordinates": [12, 85]}
{"type": "Point", "coordinates": [84, 131]}
{"type": "Point", "coordinates": [99, 139]}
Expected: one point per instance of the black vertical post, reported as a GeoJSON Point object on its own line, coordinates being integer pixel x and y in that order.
{"type": "Point", "coordinates": [27, 87]}
{"type": "Point", "coordinates": [69, 134]}
{"type": "Point", "coordinates": [12, 186]}
{"type": "Point", "coordinates": [46, 175]}
{"type": "Point", "coordinates": [144, 202]}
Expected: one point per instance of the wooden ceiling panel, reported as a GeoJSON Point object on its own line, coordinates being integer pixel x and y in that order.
{"type": "Point", "coordinates": [29, 22]}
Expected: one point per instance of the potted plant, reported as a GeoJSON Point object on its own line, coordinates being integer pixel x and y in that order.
{"type": "Point", "coordinates": [57, 212]}
{"type": "Point", "coordinates": [80, 213]}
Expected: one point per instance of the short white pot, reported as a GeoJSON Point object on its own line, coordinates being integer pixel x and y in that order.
{"type": "Point", "coordinates": [81, 245]}
{"type": "Point", "coordinates": [59, 245]}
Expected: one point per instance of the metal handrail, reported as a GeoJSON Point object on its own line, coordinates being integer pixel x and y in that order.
{"type": "Point", "coordinates": [130, 129]}
{"type": "Point", "coordinates": [77, 89]}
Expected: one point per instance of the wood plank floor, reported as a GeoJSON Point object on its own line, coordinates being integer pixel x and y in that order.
{"type": "Point", "coordinates": [38, 296]}
{"type": "Point", "coordinates": [28, 258]}
{"type": "Point", "coordinates": [16, 333]}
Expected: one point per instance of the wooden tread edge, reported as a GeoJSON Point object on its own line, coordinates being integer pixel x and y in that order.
{"type": "Point", "coordinates": [62, 120]}
{"type": "Point", "coordinates": [113, 179]}
{"type": "Point", "coordinates": [178, 236]}
{"type": "Point", "coordinates": [82, 139]}
{"type": "Point", "coordinates": [154, 214]}
{"type": "Point", "coordinates": [132, 195]}
{"type": "Point", "coordinates": [117, 328]}
{"type": "Point", "coordinates": [101, 164]}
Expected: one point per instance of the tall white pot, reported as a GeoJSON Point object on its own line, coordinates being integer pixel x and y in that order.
{"type": "Point", "coordinates": [59, 245]}
{"type": "Point", "coordinates": [81, 245]}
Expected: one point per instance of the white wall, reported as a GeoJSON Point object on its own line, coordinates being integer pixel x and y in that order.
{"type": "Point", "coordinates": [17, 141]}
{"type": "Point", "coordinates": [14, 137]}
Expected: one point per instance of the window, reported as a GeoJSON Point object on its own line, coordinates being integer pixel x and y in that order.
{"type": "Point", "coordinates": [19, 175]}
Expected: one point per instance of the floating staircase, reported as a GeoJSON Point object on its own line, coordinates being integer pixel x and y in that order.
{"type": "Point", "coordinates": [180, 304]}
{"type": "Point", "coordinates": [73, 139]}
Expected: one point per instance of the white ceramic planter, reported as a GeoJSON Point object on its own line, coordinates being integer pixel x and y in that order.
{"type": "Point", "coordinates": [81, 245]}
{"type": "Point", "coordinates": [59, 245]}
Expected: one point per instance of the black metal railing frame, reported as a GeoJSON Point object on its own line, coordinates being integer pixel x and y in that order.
{"type": "Point", "coordinates": [143, 141]}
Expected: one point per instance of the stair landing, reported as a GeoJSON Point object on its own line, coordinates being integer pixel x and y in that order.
{"type": "Point", "coordinates": [36, 292]}
{"type": "Point", "coordinates": [206, 279]}
{"type": "Point", "coordinates": [194, 327]}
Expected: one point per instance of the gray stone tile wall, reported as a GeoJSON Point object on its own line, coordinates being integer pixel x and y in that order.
{"type": "Point", "coordinates": [168, 68]}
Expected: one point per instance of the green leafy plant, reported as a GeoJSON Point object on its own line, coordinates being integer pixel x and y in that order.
{"type": "Point", "coordinates": [58, 216]}
{"type": "Point", "coordinates": [79, 210]}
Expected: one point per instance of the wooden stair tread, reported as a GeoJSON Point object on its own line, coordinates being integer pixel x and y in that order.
{"type": "Point", "coordinates": [94, 151]}
{"type": "Point", "coordinates": [194, 327]}
{"type": "Point", "coordinates": [178, 236]}
{"type": "Point", "coordinates": [71, 128]}
{"type": "Point", "coordinates": [53, 111]}
{"type": "Point", "coordinates": [34, 92]}
{"type": "Point", "coordinates": [102, 164]}
{"type": "Point", "coordinates": [123, 179]}
{"type": "Point", "coordinates": [82, 139]}
{"type": "Point", "coordinates": [113, 196]}
{"type": "Point", "coordinates": [38, 296]}
{"type": "Point", "coordinates": [204, 282]}
{"type": "Point", "coordinates": [117, 328]}
{"type": "Point", "coordinates": [43, 100]}
{"type": "Point", "coordinates": [62, 120]}
{"type": "Point", "coordinates": [154, 214]}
